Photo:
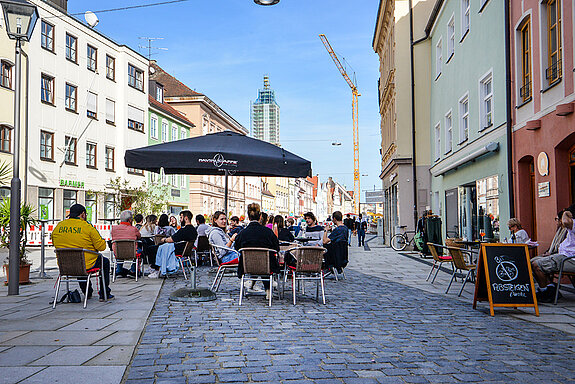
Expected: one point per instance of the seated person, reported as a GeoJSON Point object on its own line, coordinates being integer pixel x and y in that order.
{"type": "Point", "coordinates": [217, 236]}
{"type": "Point", "coordinates": [518, 234]}
{"type": "Point", "coordinates": [560, 234]}
{"type": "Point", "coordinates": [544, 267]}
{"type": "Point", "coordinates": [340, 231]}
{"type": "Point", "coordinates": [284, 234]}
{"type": "Point", "coordinates": [139, 219]}
{"type": "Point", "coordinates": [166, 256]}
{"type": "Point", "coordinates": [76, 232]}
{"type": "Point", "coordinates": [149, 229]}
{"type": "Point", "coordinates": [259, 236]}
{"type": "Point", "coordinates": [336, 243]}
{"type": "Point", "coordinates": [235, 226]}
{"type": "Point", "coordinates": [313, 230]}
{"type": "Point", "coordinates": [164, 228]}
{"type": "Point", "coordinates": [202, 228]}
{"type": "Point", "coordinates": [125, 231]}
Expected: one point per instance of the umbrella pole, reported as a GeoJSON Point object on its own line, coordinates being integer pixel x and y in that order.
{"type": "Point", "coordinates": [226, 193]}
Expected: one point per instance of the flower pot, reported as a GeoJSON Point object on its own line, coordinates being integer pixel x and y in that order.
{"type": "Point", "coordinates": [24, 273]}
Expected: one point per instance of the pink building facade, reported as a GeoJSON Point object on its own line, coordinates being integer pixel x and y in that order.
{"type": "Point", "coordinates": [542, 84]}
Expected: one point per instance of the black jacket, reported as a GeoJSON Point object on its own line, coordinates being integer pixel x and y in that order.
{"type": "Point", "coordinates": [257, 236]}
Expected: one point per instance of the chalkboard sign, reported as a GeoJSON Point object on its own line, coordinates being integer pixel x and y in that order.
{"type": "Point", "coordinates": [504, 277]}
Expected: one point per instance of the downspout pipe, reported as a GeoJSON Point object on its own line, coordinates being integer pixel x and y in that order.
{"type": "Point", "coordinates": [508, 90]}
{"type": "Point", "coordinates": [26, 126]}
{"type": "Point", "coordinates": [413, 144]}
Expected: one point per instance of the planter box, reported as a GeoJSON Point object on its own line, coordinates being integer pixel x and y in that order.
{"type": "Point", "coordinates": [24, 273]}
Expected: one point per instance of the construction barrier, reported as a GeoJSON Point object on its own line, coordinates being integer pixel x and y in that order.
{"type": "Point", "coordinates": [34, 233]}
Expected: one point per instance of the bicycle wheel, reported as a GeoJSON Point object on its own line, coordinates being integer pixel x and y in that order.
{"type": "Point", "coordinates": [398, 242]}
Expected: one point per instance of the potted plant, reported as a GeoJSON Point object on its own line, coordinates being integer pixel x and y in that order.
{"type": "Point", "coordinates": [26, 220]}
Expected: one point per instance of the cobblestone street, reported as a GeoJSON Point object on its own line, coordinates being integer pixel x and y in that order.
{"type": "Point", "coordinates": [372, 330]}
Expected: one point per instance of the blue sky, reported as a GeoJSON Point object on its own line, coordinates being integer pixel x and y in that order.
{"type": "Point", "coordinates": [222, 48]}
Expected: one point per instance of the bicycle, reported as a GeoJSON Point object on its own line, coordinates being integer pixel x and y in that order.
{"type": "Point", "coordinates": [400, 241]}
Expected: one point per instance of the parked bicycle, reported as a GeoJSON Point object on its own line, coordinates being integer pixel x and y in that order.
{"type": "Point", "coordinates": [400, 241]}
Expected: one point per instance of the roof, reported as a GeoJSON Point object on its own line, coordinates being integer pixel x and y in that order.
{"type": "Point", "coordinates": [265, 192]}
{"type": "Point", "coordinates": [433, 17]}
{"type": "Point", "coordinates": [169, 110]}
{"type": "Point", "coordinates": [172, 86]}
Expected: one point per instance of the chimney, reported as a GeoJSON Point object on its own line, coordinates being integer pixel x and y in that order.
{"type": "Point", "coordinates": [60, 4]}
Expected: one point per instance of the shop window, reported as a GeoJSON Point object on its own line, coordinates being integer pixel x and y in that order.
{"type": "Point", "coordinates": [91, 207]}
{"type": "Point", "coordinates": [487, 191]}
{"type": "Point", "coordinates": [46, 203]}
{"type": "Point", "coordinates": [70, 198]}
{"type": "Point", "coordinates": [110, 207]}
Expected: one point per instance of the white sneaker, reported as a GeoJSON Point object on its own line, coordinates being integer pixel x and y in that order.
{"type": "Point", "coordinates": [275, 284]}
{"type": "Point", "coordinates": [267, 294]}
{"type": "Point", "coordinates": [154, 275]}
{"type": "Point", "coordinates": [257, 289]}
{"type": "Point", "coordinates": [248, 284]}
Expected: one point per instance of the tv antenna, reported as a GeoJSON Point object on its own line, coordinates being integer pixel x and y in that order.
{"type": "Point", "coordinates": [149, 46]}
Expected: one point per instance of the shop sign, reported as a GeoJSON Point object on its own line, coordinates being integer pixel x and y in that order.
{"type": "Point", "coordinates": [44, 212]}
{"type": "Point", "coordinates": [543, 164]}
{"type": "Point", "coordinates": [71, 183]}
{"type": "Point", "coordinates": [544, 189]}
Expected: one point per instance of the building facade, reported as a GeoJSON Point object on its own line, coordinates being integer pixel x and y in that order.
{"type": "Point", "coordinates": [468, 118]}
{"type": "Point", "coordinates": [265, 115]}
{"type": "Point", "coordinates": [542, 61]}
{"type": "Point", "coordinates": [391, 42]}
{"type": "Point", "coordinates": [206, 192]}
{"type": "Point", "coordinates": [89, 100]}
{"type": "Point", "coordinates": [167, 124]}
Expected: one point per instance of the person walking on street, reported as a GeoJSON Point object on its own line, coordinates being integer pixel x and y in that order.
{"type": "Point", "coordinates": [360, 227]}
{"type": "Point", "coordinates": [348, 222]}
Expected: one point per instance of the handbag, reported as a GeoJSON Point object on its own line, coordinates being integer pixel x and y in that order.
{"type": "Point", "coordinates": [72, 296]}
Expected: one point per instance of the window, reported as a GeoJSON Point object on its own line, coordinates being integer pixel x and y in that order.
{"type": "Point", "coordinates": [71, 97]}
{"type": "Point", "coordinates": [448, 133]}
{"type": "Point", "coordinates": [47, 36]}
{"type": "Point", "coordinates": [173, 180]}
{"type": "Point", "coordinates": [164, 132]}
{"type": "Point", "coordinates": [110, 207]}
{"type": "Point", "coordinates": [92, 58]}
{"type": "Point", "coordinates": [154, 127]}
{"type": "Point", "coordinates": [91, 155]}
{"type": "Point", "coordinates": [71, 48]}
{"type": "Point", "coordinates": [174, 132]}
{"type": "Point", "coordinates": [553, 72]}
{"type": "Point", "coordinates": [92, 105]}
{"type": "Point", "coordinates": [91, 207]}
{"type": "Point", "coordinates": [152, 177]}
{"type": "Point", "coordinates": [110, 67]}
{"type": "Point", "coordinates": [437, 142]}
{"type": "Point", "coordinates": [486, 107]}
{"type": "Point", "coordinates": [45, 203]}
{"type": "Point", "coordinates": [463, 119]}
{"type": "Point", "coordinates": [525, 32]}
{"type": "Point", "coordinates": [135, 77]}
{"type": "Point", "coordinates": [135, 171]}
{"type": "Point", "coordinates": [159, 93]}
{"type": "Point", "coordinates": [6, 74]}
{"type": "Point", "coordinates": [109, 159]}
{"type": "Point", "coordinates": [46, 146]}
{"type": "Point", "coordinates": [135, 119]}
{"type": "Point", "coordinates": [110, 111]}
{"type": "Point", "coordinates": [183, 134]}
{"type": "Point", "coordinates": [70, 154]}
{"type": "Point", "coordinates": [47, 89]}
{"type": "Point", "coordinates": [464, 18]}
{"type": "Point", "coordinates": [70, 198]}
{"type": "Point", "coordinates": [438, 58]}
{"type": "Point", "coordinates": [450, 38]}
{"type": "Point", "coordinates": [183, 181]}
{"type": "Point", "coordinates": [163, 176]}
{"type": "Point", "coordinates": [5, 138]}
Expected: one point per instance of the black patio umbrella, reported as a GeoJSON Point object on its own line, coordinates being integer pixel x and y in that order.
{"type": "Point", "coordinates": [223, 153]}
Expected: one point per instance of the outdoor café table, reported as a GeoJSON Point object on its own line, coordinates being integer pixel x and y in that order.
{"type": "Point", "coordinates": [472, 247]}
{"type": "Point", "coordinates": [304, 240]}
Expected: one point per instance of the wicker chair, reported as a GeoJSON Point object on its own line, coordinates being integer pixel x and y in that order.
{"type": "Point", "coordinates": [256, 263]}
{"type": "Point", "coordinates": [223, 268]}
{"type": "Point", "coordinates": [460, 264]}
{"type": "Point", "coordinates": [126, 250]}
{"type": "Point", "coordinates": [308, 267]}
{"type": "Point", "coordinates": [438, 259]}
{"type": "Point", "coordinates": [185, 258]}
{"type": "Point", "coordinates": [72, 267]}
{"type": "Point", "coordinates": [158, 239]}
{"type": "Point", "coordinates": [562, 273]}
{"type": "Point", "coordinates": [204, 250]}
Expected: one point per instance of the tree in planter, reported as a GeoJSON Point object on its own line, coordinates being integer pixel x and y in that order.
{"type": "Point", "coordinates": [27, 219]}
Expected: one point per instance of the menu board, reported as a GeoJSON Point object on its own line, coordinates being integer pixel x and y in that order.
{"type": "Point", "coordinates": [504, 277]}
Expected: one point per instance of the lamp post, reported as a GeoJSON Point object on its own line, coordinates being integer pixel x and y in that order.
{"type": "Point", "coordinates": [266, 2]}
{"type": "Point", "coordinates": [20, 18]}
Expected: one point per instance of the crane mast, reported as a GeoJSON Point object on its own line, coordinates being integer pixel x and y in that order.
{"type": "Point", "coordinates": [354, 112]}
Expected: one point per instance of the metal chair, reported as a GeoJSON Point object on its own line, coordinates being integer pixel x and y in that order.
{"type": "Point", "coordinates": [204, 250]}
{"type": "Point", "coordinates": [72, 267]}
{"type": "Point", "coordinates": [257, 266]}
{"type": "Point", "coordinates": [308, 267]}
{"type": "Point", "coordinates": [126, 250]}
{"type": "Point", "coordinates": [460, 264]}
{"type": "Point", "coordinates": [438, 259]}
{"type": "Point", "coordinates": [185, 258]}
{"type": "Point", "coordinates": [223, 268]}
{"type": "Point", "coordinates": [562, 273]}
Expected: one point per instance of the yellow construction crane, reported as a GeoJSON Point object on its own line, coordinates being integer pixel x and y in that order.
{"type": "Point", "coordinates": [355, 94]}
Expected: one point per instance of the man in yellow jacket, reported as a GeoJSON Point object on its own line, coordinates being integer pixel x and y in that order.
{"type": "Point", "coordinates": [76, 232]}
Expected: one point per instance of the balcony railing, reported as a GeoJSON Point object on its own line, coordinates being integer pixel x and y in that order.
{"type": "Point", "coordinates": [554, 71]}
{"type": "Point", "coordinates": [525, 91]}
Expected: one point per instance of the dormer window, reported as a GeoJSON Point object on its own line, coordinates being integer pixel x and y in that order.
{"type": "Point", "coordinates": [159, 93]}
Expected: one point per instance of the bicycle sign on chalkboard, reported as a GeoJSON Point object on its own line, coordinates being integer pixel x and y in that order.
{"type": "Point", "coordinates": [504, 277]}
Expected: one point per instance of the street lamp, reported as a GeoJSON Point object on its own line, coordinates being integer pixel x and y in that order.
{"type": "Point", "coordinates": [266, 2]}
{"type": "Point", "coordinates": [20, 17]}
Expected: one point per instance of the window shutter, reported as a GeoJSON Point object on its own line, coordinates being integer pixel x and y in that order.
{"type": "Point", "coordinates": [135, 114]}
{"type": "Point", "coordinates": [92, 103]}
{"type": "Point", "coordinates": [110, 110]}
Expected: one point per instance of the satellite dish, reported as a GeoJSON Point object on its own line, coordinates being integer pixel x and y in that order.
{"type": "Point", "coordinates": [91, 18]}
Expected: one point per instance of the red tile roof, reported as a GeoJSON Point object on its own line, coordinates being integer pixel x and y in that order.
{"type": "Point", "coordinates": [169, 110]}
{"type": "Point", "coordinates": [172, 86]}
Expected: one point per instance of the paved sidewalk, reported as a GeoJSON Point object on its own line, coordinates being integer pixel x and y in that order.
{"type": "Point", "coordinates": [375, 328]}
{"type": "Point", "coordinates": [70, 344]}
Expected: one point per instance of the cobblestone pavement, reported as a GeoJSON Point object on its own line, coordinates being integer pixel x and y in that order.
{"type": "Point", "coordinates": [371, 331]}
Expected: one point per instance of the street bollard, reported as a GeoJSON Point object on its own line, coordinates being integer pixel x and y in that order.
{"type": "Point", "coordinates": [43, 274]}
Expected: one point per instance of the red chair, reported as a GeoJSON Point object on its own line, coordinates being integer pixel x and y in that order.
{"type": "Point", "coordinates": [223, 268]}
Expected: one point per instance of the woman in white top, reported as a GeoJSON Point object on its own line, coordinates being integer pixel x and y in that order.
{"type": "Point", "coordinates": [149, 229]}
{"type": "Point", "coordinates": [518, 234]}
